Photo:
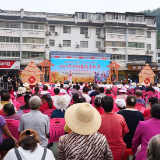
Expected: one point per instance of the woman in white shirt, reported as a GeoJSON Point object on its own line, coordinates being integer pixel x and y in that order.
{"type": "Point", "coordinates": [29, 148]}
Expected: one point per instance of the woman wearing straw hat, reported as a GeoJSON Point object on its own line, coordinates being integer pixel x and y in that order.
{"type": "Point", "coordinates": [123, 95]}
{"type": "Point", "coordinates": [29, 148]}
{"type": "Point", "coordinates": [84, 142]}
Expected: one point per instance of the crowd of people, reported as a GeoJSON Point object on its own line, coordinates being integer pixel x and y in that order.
{"type": "Point", "coordinates": [100, 124]}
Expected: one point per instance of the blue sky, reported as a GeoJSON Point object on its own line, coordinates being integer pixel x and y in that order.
{"type": "Point", "coordinates": [72, 6]}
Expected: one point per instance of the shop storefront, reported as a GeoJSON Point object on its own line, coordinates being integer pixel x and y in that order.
{"type": "Point", "coordinates": [134, 70]}
{"type": "Point", "coordinates": [12, 67]}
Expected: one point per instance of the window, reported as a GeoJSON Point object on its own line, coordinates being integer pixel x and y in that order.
{"type": "Point", "coordinates": [10, 39]}
{"type": "Point", "coordinates": [52, 29]}
{"type": "Point", "coordinates": [33, 26]}
{"type": "Point", "coordinates": [150, 21]}
{"type": "Point", "coordinates": [66, 43]}
{"type": "Point", "coordinates": [9, 25]}
{"type": "Point", "coordinates": [51, 42]}
{"type": "Point", "coordinates": [148, 34]}
{"type": "Point", "coordinates": [148, 47]}
{"type": "Point", "coordinates": [67, 29]}
{"type": "Point", "coordinates": [134, 31]}
{"type": "Point", "coordinates": [32, 54]}
{"type": "Point", "coordinates": [115, 44]}
{"type": "Point", "coordinates": [136, 18]}
{"type": "Point", "coordinates": [98, 31]}
{"type": "Point", "coordinates": [97, 17]}
{"type": "Point", "coordinates": [83, 30]}
{"type": "Point", "coordinates": [84, 16]}
{"type": "Point", "coordinates": [83, 44]}
{"type": "Point", "coordinates": [147, 59]}
{"type": "Point", "coordinates": [117, 57]}
{"type": "Point", "coordinates": [33, 40]}
{"type": "Point", "coordinates": [116, 30]}
{"type": "Point", "coordinates": [140, 32]}
{"type": "Point", "coordinates": [131, 31]}
{"type": "Point", "coordinates": [98, 44]}
{"type": "Point", "coordinates": [135, 45]}
{"type": "Point", "coordinates": [9, 54]}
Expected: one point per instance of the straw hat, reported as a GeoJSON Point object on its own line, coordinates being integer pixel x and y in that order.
{"type": "Point", "coordinates": [21, 90]}
{"type": "Point", "coordinates": [133, 84]}
{"type": "Point", "coordinates": [143, 84]}
{"type": "Point", "coordinates": [28, 132]}
{"type": "Point", "coordinates": [25, 84]}
{"type": "Point", "coordinates": [120, 103]}
{"type": "Point", "coordinates": [83, 118]}
{"type": "Point", "coordinates": [28, 89]}
{"type": "Point", "coordinates": [39, 83]}
{"type": "Point", "coordinates": [58, 84]}
{"type": "Point", "coordinates": [70, 84]}
{"type": "Point", "coordinates": [123, 89]}
{"type": "Point", "coordinates": [138, 84]}
{"type": "Point", "coordinates": [158, 85]}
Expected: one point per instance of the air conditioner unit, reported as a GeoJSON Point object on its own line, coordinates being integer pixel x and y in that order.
{"type": "Point", "coordinates": [99, 36]}
{"type": "Point", "coordinates": [47, 33]}
{"type": "Point", "coordinates": [90, 20]}
{"type": "Point", "coordinates": [50, 33]}
{"type": "Point", "coordinates": [56, 33]}
{"type": "Point", "coordinates": [47, 46]}
{"type": "Point", "coordinates": [149, 52]}
{"type": "Point", "coordinates": [86, 35]}
{"type": "Point", "coordinates": [103, 36]}
{"type": "Point", "coordinates": [60, 45]}
{"type": "Point", "coordinates": [77, 46]}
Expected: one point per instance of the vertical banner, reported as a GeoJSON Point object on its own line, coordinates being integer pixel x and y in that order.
{"type": "Point", "coordinates": [79, 70]}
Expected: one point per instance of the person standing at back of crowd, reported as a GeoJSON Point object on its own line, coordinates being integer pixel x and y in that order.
{"type": "Point", "coordinates": [14, 83]}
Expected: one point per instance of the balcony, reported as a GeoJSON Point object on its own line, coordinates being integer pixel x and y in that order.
{"type": "Point", "coordinates": [115, 37]}
{"type": "Point", "coordinates": [136, 38]}
{"type": "Point", "coordinates": [116, 50]}
{"type": "Point", "coordinates": [10, 32]}
{"type": "Point", "coordinates": [33, 47]}
{"type": "Point", "coordinates": [33, 33]}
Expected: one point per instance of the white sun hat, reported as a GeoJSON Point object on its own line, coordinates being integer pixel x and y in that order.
{"type": "Point", "coordinates": [21, 90]}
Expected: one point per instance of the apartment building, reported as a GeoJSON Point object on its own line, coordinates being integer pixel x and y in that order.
{"type": "Point", "coordinates": [129, 37]}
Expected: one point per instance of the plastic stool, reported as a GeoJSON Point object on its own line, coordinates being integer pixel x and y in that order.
{"type": "Point", "coordinates": [128, 152]}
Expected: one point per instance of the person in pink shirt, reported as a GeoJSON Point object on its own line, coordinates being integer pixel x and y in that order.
{"type": "Point", "coordinates": [123, 92]}
{"type": "Point", "coordinates": [114, 128]}
{"type": "Point", "coordinates": [145, 131]}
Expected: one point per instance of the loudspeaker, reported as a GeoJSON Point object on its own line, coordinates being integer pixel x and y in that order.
{"type": "Point", "coordinates": [66, 82]}
{"type": "Point", "coordinates": [5, 85]}
{"type": "Point", "coordinates": [116, 82]}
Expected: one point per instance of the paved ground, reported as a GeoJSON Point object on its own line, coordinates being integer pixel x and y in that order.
{"type": "Point", "coordinates": [55, 151]}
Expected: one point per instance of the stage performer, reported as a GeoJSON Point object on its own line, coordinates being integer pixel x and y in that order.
{"type": "Point", "coordinates": [70, 77]}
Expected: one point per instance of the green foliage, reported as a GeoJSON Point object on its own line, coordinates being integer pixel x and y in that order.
{"type": "Point", "coordinates": [155, 12]}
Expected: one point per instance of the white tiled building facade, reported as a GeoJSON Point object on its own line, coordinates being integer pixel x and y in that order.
{"type": "Point", "coordinates": [129, 37]}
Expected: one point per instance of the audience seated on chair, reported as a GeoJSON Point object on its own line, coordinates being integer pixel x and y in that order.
{"type": "Point", "coordinates": [29, 148]}
{"type": "Point", "coordinates": [145, 131]}
{"type": "Point", "coordinates": [6, 144]}
{"type": "Point", "coordinates": [123, 94]}
{"type": "Point", "coordinates": [143, 86]}
{"type": "Point", "coordinates": [156, 87]}
{"type": "Point", "coordinates": [132, 118]}
{"type": "Point", "coordinates": [150, 88]}
{"type": "Point", "coordinates": [95, 92]}
{"type": "Point", "coordinates": [46, 103]}
{"type": "Point", "coordinates": [84, 135]}
{"type": "Point", "coordinates": [75, 97]}
{"type": "Point", "coordinates": [85, 94]}
{"type": "Point", "coordinates": [62, 90]}
{"type": "Point", "coordinates": [152, 101]}
{"type": "Point", "coordinates": [121, 104]}
{"type": "Point", "coordinates": [26, 100]}
{"type": "Point", "coordinates": [56, 92]}
{"type": "Point", "coordinates": [36, 120]}
{"type": "Point", "coordinates": [138, 95]}
{"type": "Point", "coordinates": [28, 90]}
{"type": "Point", "coordinates": [77, 91]}
{"type": "Point", "coordinates": [81, 100]}
{"type": "Point", "coordinates": [36, 93]}
{"type": "Point", "coordinates": [137, 87]}
{"type": "Point", "coordinates": [153, 148]}
{"type": "Point", "coordinates": [114, 128]}
{"type": "Point", "coordinates": [11, 91]}
{"type": "Point", "coordinates": [9, 112]}
{"type": "Point", "coordinates": [21, 91]}
{"type": "Point", "coordinates": [5, 98]}
{"type": "Point", "coordinates": [98, 105]}
{"type": "Point", "coordinates": [101, 91]}
{"type": "Point", "coordinates": [45, 90]}
{"type": "Point", "coordinates": [61, 103]}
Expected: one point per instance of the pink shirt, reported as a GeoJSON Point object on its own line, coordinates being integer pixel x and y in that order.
{"type": "Point", "coordinates": [144, 132]}
{"type": "Point", "coordinates": [114, 128]}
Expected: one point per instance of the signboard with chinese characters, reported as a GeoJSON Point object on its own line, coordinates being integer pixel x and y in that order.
{"type": "Point", "coordinates": [9, 64]}
{"type": "Point", "coordinates": [140, 67]}
{"type": "Point", "coordinates": [79, 69]}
